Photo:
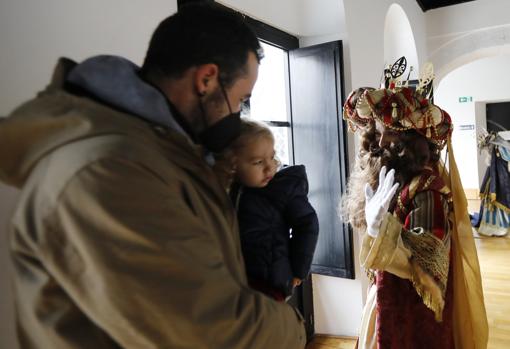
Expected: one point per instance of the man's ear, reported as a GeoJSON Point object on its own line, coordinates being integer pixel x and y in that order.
{"type": "Point", "coordinates": [206, 78]}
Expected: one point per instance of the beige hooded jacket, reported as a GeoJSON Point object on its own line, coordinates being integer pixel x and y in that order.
{"type": "Point", "coordinates": [123, 236]}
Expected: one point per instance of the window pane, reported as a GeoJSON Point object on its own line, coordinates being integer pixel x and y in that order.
{"type": "Point", "coordinates": [281, 138]}
{"type": "Point", "coordinates": [269, 97]}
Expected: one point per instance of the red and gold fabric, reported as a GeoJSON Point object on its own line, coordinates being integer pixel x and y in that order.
{"type": "Point", "coordinates": [411, 259]}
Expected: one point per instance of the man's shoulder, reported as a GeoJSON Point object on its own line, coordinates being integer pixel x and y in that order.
{"type": "Point", "coordinates": [150, 155]}
{"type": "Point", "coordinates": [51, 175]}
{"type": "Point", "coordinates": [79, 131]}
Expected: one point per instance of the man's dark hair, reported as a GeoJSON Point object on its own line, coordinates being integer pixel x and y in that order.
{"type": "Point", "coordinates": [200, 34]}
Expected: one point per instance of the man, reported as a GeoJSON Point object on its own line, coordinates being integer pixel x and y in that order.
{"type": "Point", "coordinates": [417, 246]}
{"type": "Point", "coordinates": [123, 236]}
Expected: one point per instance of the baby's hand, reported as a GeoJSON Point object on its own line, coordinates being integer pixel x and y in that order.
{"type": "Point", "coordinates": [296, 282]}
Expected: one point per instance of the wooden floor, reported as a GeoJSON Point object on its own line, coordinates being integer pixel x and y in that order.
{"type": "Point", "coordinates": [320, 342]}
{"type": "Point", "coordinates": [494, 256]}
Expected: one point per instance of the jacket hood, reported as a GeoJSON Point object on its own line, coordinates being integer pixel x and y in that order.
{"type": "Point", "coordinates": [116, 81]}
{"type": "Point", "coordinates": [57, 117]}
{"type": "Point", "coordinates": [287, 183]}
{"type": "Point", "coordinates": [298, 171]}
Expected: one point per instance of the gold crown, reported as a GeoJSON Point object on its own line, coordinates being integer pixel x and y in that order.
{"type": "Point", "coordinates": [399, 106]}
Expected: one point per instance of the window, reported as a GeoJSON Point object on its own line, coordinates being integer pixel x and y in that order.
{"type": "Point", "coordinates": [270, 99]}
{"type": "Point", "coordinates": [319, 142]}
{"type": "Point", "coordinates": [300, 94]}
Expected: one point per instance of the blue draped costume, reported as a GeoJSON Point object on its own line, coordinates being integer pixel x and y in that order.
{"type": "Point", "coordinates": [494, 216]}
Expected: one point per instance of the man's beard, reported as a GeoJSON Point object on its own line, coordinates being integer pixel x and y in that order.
{"type": "Point", "coordinates": [391, 157]}
{"type": "Point", "coordinates": [396, 158]}
{"type": "Point", "coordinates": [404, 157]}
{"type": "Point", "coordinates": [399, 157]}
{"type": "Point", "coordinates": [366, 170]}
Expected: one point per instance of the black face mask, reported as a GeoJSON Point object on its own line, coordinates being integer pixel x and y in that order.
{"type": "Point", "coordinates": [220, 134]}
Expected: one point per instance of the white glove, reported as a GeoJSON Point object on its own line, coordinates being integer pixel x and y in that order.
{"type": "Point", "coordinates": [376, 205]}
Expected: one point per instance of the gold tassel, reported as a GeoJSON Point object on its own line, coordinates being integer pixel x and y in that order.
{"type": "Point", "coordinates": [428, 291]}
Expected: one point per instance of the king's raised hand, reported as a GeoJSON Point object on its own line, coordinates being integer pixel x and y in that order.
{"type": "Point", "coordinates": [376, 204]}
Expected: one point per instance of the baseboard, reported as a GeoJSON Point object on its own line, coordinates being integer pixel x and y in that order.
{"type": "Point", "coordinates": [472, 194]}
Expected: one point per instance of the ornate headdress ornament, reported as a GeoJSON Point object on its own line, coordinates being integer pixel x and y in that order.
{"type": "Point", "coordinates": [399, 106]}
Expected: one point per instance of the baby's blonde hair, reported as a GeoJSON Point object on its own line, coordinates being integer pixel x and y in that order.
{"type": "Point", "coordinates": [251, 130]}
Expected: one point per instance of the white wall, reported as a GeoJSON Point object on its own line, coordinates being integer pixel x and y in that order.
{"type": "Point", "coordinates": [399, 41]}
{"type": "Point", "coordinates": [321, 20]}
{"type": "Point", "coordinates": [469, 45]}
{"type": "Point", "coordinates": [466, 17]}
{"type": "Point", "coordinates": [312, 21]}
{"type": "Point", "coordinates": [33, 34]}
{"type": "Point", "coordinates": [365, 30]}
{"type": "Point", "coordinates": [460, 34]}
{"type": "Point", "coordinates": [486, 80]}
{"type": "Point", "coordinates": [281, 14]}
{"type": "Point", "coordinates": [324, 21]}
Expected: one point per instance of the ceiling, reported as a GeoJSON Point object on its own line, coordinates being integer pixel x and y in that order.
{"type": "Point", "coordinates": [431, 4]}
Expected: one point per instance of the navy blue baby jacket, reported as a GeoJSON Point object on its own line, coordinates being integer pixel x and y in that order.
{"type": "Point", "coordinates": [279, 228]}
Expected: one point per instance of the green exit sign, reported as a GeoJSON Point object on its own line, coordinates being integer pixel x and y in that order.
{"type": "Point", "coordinates": [465, 99]}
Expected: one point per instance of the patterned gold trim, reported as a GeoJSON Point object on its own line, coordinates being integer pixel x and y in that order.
{"type": "Point", "coordinates": [400, 204]}
{"type": "Point", "coordinates": [492, 204]}
{"type": "Point", "coordinates": [428, 182]}
{"type": "Point", "coordinates": [428, 291]}
{"type": "Point", "coordinates": [413, 186]}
